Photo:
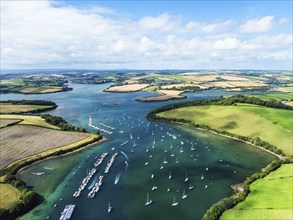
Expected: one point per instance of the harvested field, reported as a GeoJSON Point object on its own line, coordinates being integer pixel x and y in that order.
{"type": "Point", "coordinates": [30, 120]}
{"type": "Point", "coordinates": [29, 90]}
{"type": "Point", "coordinates": [202, 78]}
{"type": "Point", "coordinates": [234, 78]}
{"type": "Point", "coordinates": [166, 95]}
{"type": "Point", "coordinates": [5, 122]}
{"type": "Point", "coordinates": [9, 108]}
{"type": "Point", "coordinates": [247, 84]}
{"type": "Point", "coordinates": [222, 84]}
{"type": "Point", "coordinates": [183, 85]}
{"type": "Point", "coordinates": [127, 88]}
{"type": "Point", "coordinates": [50, 90]}
{"type": "Point", "coordinates": [20, 141]}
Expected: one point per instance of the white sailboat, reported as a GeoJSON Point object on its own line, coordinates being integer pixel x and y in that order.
{"type": "Point", "coordinates": [109, 208]}
{"type": "Point", "coordinates": [172, 155]}
{"type": "Point", "coordinates": [201, 177]}
{"type": "Point", "coordinates": [170, 175]}
{"type": "Point", "coordinates": [181, 150]}
{"type": "Point", "coordinates": [177, 161]}
{"type": "Point", "coordinates": [184, 196]}
{"type": "Point", "coordinates": [174, 202]}
{"type": "Point", "coordinates": [186, 177]}
{"type": "Point", "coordinates": [190, 186]}
{"type": "Point", "coordinates": [162, 167]}
{"type": "Point", "coordinates": [149, 201]}
{"type": "Point", "coordinates": [165, 161]}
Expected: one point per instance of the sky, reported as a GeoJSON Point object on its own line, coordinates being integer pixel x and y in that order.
{"type": "Point", "coordinates": [43, 34]}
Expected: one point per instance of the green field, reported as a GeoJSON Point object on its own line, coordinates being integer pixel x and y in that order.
{"type": "Point", "coordinates": [274, 96]}
{"type": "Point", "coordinates": [9, 195]}
{"type": "Point", "coordinates": [10, 108]}
{"type": "Point", "coordinates": [270, 198]}
{"type": "Point", "coordinates": [271, 125]}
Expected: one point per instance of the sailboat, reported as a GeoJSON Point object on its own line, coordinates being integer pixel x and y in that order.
{"type": "Point", "coordinates": [186, 177]}
{"type": "Point", "coordinates": [184, 194]}
{"type": "Point", "coordinates": [174, 202]}
{"type": "Point", "coordinates": [171, 146]}
{"type": "Point", "coordinates": [149, 201]}
{"type": "Point", "coordinates": [181, 150]}
{"type": "Point", "coordinates": [165, 150]}
{"type": "Point", "coordinates": [162, 167]}
{"type": "Point", "coordinates": [190, 186]}
{"type": "Point", "coordinates": [177, 161]}
{"type": "Point", "coordinates": [109, 208]}
{"type": "Point", "coordinates": [170, 175]}
{"type": "Point", "coordinates": [192, 148]}
{"type": "Point", "coordinates": [201, 177]}
{"type": "Point", "coordinates": [138, 137]}
{"type": "Point", "coordinates": [165, 161]}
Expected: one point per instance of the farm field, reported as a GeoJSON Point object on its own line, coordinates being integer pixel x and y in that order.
{"type": "Point", "coordinates": [9, 195]}
{"type": "Point", "coordinates": [270, 125]}
{"type": "Point", "coordinates": [44, 89]}
{"type": "Point", "coordinates": [9, 108]}
{"type": "Point", "coordinates": [30, 120]}
{"type": "Point", "coordinates": [166, 95]}
{"type": "Point", "coordinates": [5, 122]}
{"type": "Point", "coordinates": [274, 96]}
{"type": "Point", "coordinates": [127, 88]}
{"type": "Point", "coordinates": [270, 198]}
{"type": "Point", "coordinates": [20, 141]}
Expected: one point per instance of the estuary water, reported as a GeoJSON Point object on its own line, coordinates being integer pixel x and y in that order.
{"type": "Point", "coordinates": [163, 160]}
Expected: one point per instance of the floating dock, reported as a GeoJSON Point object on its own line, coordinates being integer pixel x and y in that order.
{"type": "Point", "coordinates": [67, 212]}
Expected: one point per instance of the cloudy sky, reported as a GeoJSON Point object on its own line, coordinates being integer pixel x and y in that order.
{"type": "Point", "coordinates": [146, 35]}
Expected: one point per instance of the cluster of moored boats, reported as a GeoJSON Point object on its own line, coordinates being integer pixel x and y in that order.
{"type": "Point", "coordinates": [91, 173]}
{"type": "Point", "coordinates": [110, 163]}
{"type": "Point", "coordinates": [96, 188]}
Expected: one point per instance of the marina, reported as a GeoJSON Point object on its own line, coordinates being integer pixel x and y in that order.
{"type": "Point", "coordinates": [67, 212]}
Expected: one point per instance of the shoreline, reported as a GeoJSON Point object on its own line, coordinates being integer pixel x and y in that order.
{"type": "Point", "coordinates": [227, 136]}
{"type": "Point", "coordinates": [104, 139]}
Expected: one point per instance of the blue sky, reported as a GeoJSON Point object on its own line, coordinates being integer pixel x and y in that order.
{"type": "Point", "coordinates": [146, 34]}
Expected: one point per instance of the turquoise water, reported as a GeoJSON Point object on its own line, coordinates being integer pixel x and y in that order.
{"type": "Point", "coordinates": [220, 161]}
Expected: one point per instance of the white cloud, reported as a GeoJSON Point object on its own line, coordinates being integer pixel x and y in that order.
{"type": "Point", "coordinates": [257, 25]}
{"type": "Point", "coordinates": [36, 34]}
{"type": "Point", "coordinates": [163, 22]}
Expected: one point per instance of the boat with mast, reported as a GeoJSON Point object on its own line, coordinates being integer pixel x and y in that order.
{"type": "Point", "coordinates": [174, 202]}
{"type": "Point", "coordinates": [109, 207]}
{"type": "Point", "coordinates": [184, 196]}
{"type": "Point", "coordinates": [186, 177]}
{"type": "Point", "coordinates": [149, 201]}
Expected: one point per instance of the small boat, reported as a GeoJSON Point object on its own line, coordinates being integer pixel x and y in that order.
{"type": "Point", "coordinates": [207, 168]}
{"type": "Point", "coordinates": [190, 186]}
{"type": "Point", "coordinates": [202, 177]}
{"type": "Point", "coordinates": [154, 188]}
{"type": "Point", "coordinates": [174, 202]}
{"type": "Point", "coordinates": [172, 155]}
{"type": "Point", "coordinates": [165, 161]}
{"type": "Point", "coordinates": [181, 150]}
{"type": "Point", "coordinates": [109, 208]}
{"type": "Point", "coordinates": [170, 175]}
{"type": "Point", "coordinates": [177, 161]}
{"type": "Point", "coordinates": [184, 196]}
{"type": "Point", "coordinates": [132, 150]}
{"type": "Point", "coordinates": [55, 205]}
{"type": "Point", "coordinates": [151, 156]}
{"type": "Point", "coordinates": [149, 201]}
{"type": "Point", "coordinates": [152, 176]}
{"type": "Point", "coordinates": [186, 177]}
{"type": "Point", "coordinates": [146, 163]}
{"type": "Point", "coordinates": [206, 186]}
{"type": "Point", "coordinates": [165, 150]}
{"type": "Point", "coordinates": [171, 146]}
{"type": "Point", "coordinates": [162, 167]}
{"type": "Point", "coordinates": [147, 149]}
{"type": "Point", "coordinates": [168, 189]}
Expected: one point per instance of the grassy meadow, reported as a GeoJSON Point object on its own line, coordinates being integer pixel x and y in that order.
{"type": "Point", "coordinates": [9, 108]}
{"type": "Point", "coordinates": [9, 195]}
{"type": "Point", "coordinates": [270, 198]}
{"type": "Point", "coordinates": [269, 124]}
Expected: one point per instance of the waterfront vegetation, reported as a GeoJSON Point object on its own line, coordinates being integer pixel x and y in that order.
{"type": "Point", "coordinates": [17, 196]}
{"type": "Point", "coordinates": [269, 198]}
